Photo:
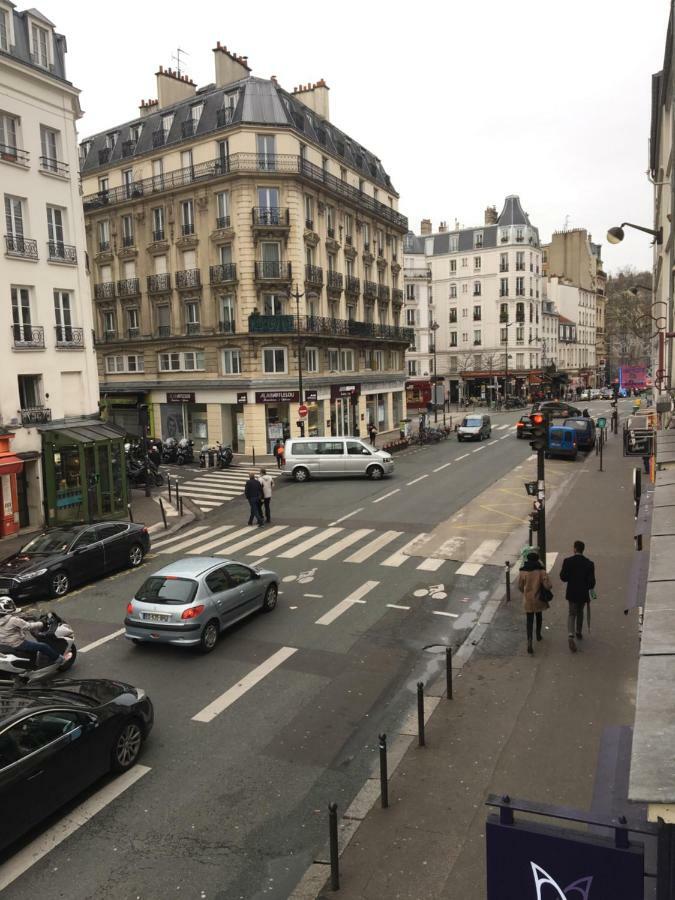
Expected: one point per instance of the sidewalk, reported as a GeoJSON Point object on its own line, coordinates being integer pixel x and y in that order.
{"type": "Point", "coordinates": [551, 728]}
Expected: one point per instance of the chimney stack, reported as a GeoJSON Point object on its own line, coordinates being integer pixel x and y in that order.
{"type": "Point", "coordinates": [443, 227]}
{"type": "Point", "coordinates": [315, 96]}
{"type": "Point", "coordinates": [229, 66]}
{"type": "Point", "coordinates": [491, 215]}
{"type": "Point", "coordinates": [172, 87]}
{"type": "Point", "coordinates": [425, 227]}
{"type": "Point", "coordinates": [145, 107]}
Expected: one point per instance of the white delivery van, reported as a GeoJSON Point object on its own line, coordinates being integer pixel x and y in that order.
{"type": "Point", "coordinates": [309, 457]}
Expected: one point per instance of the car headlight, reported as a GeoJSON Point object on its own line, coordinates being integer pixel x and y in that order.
{"type": "Point", "coordinates": [27, 576]}
{"type": "Point", "coordinates": [140, 693]}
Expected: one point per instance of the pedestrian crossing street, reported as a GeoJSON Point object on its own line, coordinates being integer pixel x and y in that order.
{"type": "Point", "coordinates": [385, 548]}
{"type": "Point", "coordinates": [217, 486]}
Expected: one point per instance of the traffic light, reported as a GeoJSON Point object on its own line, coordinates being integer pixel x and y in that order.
{"type": "Point", "coordinates": [539, 431]}
{"type": "Point", "coordinates": [534, 520]}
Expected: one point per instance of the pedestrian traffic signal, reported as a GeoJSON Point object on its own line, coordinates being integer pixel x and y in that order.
{"type": "Point", "coordinates": [534, 521]}
{"type": "Point", "coordinates": [539, 429]}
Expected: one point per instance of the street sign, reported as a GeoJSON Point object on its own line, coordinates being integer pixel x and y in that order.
{"type": "Point", "coordinates": [601, 421]}
{"type": "Point", "coordinates": [531, 488]}
{"type": "Point", "coordinates": [302, 411]}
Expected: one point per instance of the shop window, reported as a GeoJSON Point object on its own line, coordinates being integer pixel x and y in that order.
{"type": "Point", "coordinates": [274, 360]}
{"type": "Point", "coordinates": [231, 362]}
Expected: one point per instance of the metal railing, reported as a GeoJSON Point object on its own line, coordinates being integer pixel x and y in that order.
{"type": "Point", "coordinates": [353, 284]}
{"type": "Point", "coordinates": [335, 281]}
{"type": "Point", "coordinates": [158, 235]}
{"type": "Point", "coordinates": [103, 246]}
{"type": "Point", "coordinates": [127, 240]}
{"type": "Point", "coordinates": [271, 215]}
{"type": "Point", "coordinates": [55, 166]}
{"type": "Point", "coordinates": [324, 325]}
{"type": "Point", "coordinates": [383, 292]}
{"type": "Point", "coordinates": [187, 228]}
{"type": "Point", "coordinates": [133, 333]}
{"type": "Point", "coordinates": [369, 290]}
{"type": "Point", "coordinates": [314, 275]}
{"type": "Point", "coordinates": [69, 336]}
{"type": "Point", "coordinates": [163, 331]}
{"type": "Point", "coordinates": [224, 116]}
{"type": "Point", "coordinates": [223, 273]}
{"type": "Point", "coordinates": [105, 290]}
{"type": "Point", "coordinates": [330, 232]}
{"type": "Point", "coordinates": [17, 245]}
{"type": "Point", "coordinates": [128, 148]}
{"type": "Point", "coordinates": [28, 337]}
{"type": "Point", "coordinates": [287, 164]}
{"type": "Point", "coordinates": [128, 287]}
{"type": "Point", "coordinates": [14, 154]}
{"type": "Point", "coordinates": [109, 336]}
{"type": "Point", "coordinates": [228, 327]}
{"type": "Point", "coordinates": [58, 252]}
{"type": "Point", "coordinates": [223, 222]}
{"type": "Point", "coordinates": [397, 295]}
{"type": "Point", "coordinates": [188, 278]}
{"type": "Point", "coordinates": [193, 328]}
{"type": "Point", "coordinates": [159, 283]}
{"type": "Point", "coordinates": [36, 415]}
{"type": "Point", "coordinates": [273, 270]}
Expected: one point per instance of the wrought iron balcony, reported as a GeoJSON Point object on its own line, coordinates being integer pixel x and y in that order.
{"type": "Point", "coordinates": [128, 148]}
{"type": "Point", "coordinates": [14, 154]}
{"type": "Point", "coordinates": [224, 116]}
{"type": "Point", "coordinates": [187, 228]}
{"type": "Point", "coordinates": [503, 293]}
{"type": "Point", "coordinates": [223, 274]}
{"type": "Point", "coordinates": [133, 333]}
{"type": "Point", "coordinates": [103, 246]}
{"type": "Point", "coordinates": [163, 331]}
{"type": "Point", "coordinates": [353, 285]}
{"type": "Point", "coordinates": [383, 292]}
{"type": "Point", "coordinates": [128, 240]}
{"type": "Point", "coordinates": [309, 224]}
{"type": "Point", "coordinates": [330, 231]}
{"type": "Point", "coordinates": [329, 327]}
{"type": "Point", "coordinates": [271, 216]}
{"type": "Point", "coordinates": [109, 336]}
{"type": "Point", "coordinates": [193, 328]}
{"type": "Point", "coordinates": [17, 245]}
{"type": "Point", "coordinates": [369, 290]}
{"type": "Point", "coordinates": [226, 327]}
{"type": "Point", "coordinates": [64, 253]}
{"type": "Point", "coordinates": [36, 415]}
{"type": "Point", "coordinates": [158, 235]}
{"type": "Point", "coordinates": [54, 166]}
{"type": "Point", "coordinates": [105, 290]}
{"type": "Point", "coordinates": [223, 222]}
{"type": "Point", "coordinates": [160, 283]}
{"type": "Point", "coordinates": [335, 281]}
{"type": "Point", "coordinates": [128, 287]}
{"type": "Point", "coordinates": [69, 336]}
{"type": "Point", "coordinates": [273, 270]}
{"type": "Point", "coordinates": [397, 295]}
{"type": "Point", "coordinates": [188, 278]}
{"type": "Point", "coordinates": [504, 268]}
{"type": "Point", "coordinates": [314, 275]}
{"type": "Point", "coordinates": [28, 337]}
{"type": "Point", "coordinates": [348, 240]}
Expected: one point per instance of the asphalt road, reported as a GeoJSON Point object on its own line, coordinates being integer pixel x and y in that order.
{"type": "Point", "coordinates": [236, 807]}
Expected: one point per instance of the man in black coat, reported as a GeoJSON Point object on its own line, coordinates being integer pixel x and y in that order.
{"type": "Point", "coordinates": [254, 494]}
{"type": "Point", "coordinates": [579, 573]}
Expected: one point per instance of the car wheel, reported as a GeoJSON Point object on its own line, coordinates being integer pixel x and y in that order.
{"type": "Point", "coordinates": [135, 556]}
{"type": "Point", "coordinates": [59, 583]}
{"type": "Point", "coordinates": [375, 472]}
{"type": "Point", "coordinates": [209, 637]}
{"type": "Point", "coordinates": [69, 663]}
{"type": "Point", "coordinates": [126, 746]}
{"type": "Point", "coordinates": [301, 474]}
{"type": "Point", "coordinates": [270, 600]}
{"type": "Point", "coordinates": [459, 438]}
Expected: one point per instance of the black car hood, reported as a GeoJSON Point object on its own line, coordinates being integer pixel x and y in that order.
{"type": "Point", "coordinates": [23, 562]}
{"type": "Point", "coordinates": [101, 690]}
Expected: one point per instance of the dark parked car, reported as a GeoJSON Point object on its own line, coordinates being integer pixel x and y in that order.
{"type": "Point", "coordinates": [56, 741]}
{"type": "Point", "coordinates": [556, 409]}
{"type": "Point", "coordinates": [52, 562]}
{"type": "Point", "coordinates": [524, 427]}
{"type": "Point", "coordinates": [585, 430]}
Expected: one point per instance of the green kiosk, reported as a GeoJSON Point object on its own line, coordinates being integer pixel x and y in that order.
{"type": "Point", "coordinates": [84, 472]}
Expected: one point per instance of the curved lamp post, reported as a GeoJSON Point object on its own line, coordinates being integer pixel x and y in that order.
{"type": "Point", "coordinates": [616, 235]}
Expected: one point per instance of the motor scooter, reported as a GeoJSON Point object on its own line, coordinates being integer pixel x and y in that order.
{"type": "Point", "coordinates": [25, 666]}
{"type": "Point", "coordinates": [184, 452]}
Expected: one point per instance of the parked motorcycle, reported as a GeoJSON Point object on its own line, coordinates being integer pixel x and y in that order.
{"type": "Point", "coordinates": [185, 452]}
{"type": "Point", "coordinates": [225, 456]}
{"type": "Point", "coordinates": [140, 470]}
{"type": "Point", "coordinates": [170, 450]}
{"type": "Point", "coordinates": [26, 666]}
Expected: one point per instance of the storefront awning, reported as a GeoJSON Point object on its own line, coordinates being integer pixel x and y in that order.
{"type": "Point", "coordinates": [83, 433]}
{"type": "Point", "coordinates": [10, 464]}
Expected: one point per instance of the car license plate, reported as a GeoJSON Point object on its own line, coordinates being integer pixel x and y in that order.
{"type": "Point", "coordinates": [156, 617]}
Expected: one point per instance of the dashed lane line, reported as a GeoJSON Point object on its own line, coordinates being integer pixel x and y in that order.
{"type": "Point", "coordinates": [100, 641]}
{"type": "Point", "coordinates": [461, 457]}
{"type": "Point", "coordinates": [415, 480]}
{"type": "Point", "coordinates": [390, 494]}
{"type": "Point", "coordinates": [450, 615]}
{"type": "Point", "coordinates": [348, 516]}
{"type": "Point", "coordinates": [444, 466]}
{"type": "Point", "coordinates": [355, 597]}
{"type": "Point", "coordinates": [478, 449]}
{"type": "Point", "coordinates": [397, 606]}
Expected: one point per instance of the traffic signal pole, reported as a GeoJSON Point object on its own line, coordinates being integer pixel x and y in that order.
{"type": "Point", "coordinates": [541, 496]}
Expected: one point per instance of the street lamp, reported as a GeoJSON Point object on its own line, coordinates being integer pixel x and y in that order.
{"type": "Point", "coordinates": [616, 235]}
{"type": "Point", "coordinates": [506, 326]}
{"type": "Point", "coordinates": [297, 296]}
{"type": "Point", "coordinates": [434, 328]}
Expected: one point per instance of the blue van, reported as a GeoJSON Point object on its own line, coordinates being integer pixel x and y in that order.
{"type": "Point", "coordinates": [562, 442]}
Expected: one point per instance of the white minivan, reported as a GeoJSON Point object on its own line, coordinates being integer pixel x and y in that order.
{"type": "Point", "coordinates": [309, 457]}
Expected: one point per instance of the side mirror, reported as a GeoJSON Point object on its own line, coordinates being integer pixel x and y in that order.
{"type": "Point", "coordinates": [256, 575]}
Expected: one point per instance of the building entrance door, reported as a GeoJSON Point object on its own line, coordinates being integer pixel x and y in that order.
{"type": "Point", "coordinates": [342, 423]}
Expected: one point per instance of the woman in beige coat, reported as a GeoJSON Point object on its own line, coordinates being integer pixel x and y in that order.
{"type": "Point", "coordinates": [531, 579]}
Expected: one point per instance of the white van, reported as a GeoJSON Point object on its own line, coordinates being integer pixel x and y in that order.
{"type": "Point", "coordinates": [309, 457]}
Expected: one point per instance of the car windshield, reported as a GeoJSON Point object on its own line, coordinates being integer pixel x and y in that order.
{"type": "Point", "coordinates": [579, 424]}
{"type": "Point", "coordinates": [50, 542]}
{"type": "Point", "coordinates": [472, 422]}
{"type": "Point", "coordinates": [167, 589]}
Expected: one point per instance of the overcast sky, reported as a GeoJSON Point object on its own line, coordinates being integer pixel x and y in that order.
{"type": "Point", "coordinates": [464, 103]}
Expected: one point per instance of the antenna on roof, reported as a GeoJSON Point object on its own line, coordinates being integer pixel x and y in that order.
{"type": "Point", "coordinates": [566, 223]}
{"type": "Point", "coordinates": [177, 59]}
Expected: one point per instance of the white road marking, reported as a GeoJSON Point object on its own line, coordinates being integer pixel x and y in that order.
{"type": "Point", "coordinates": [444, 466]}
{"type": "Point", "coordinates": [342, 544]}
{"type": "Point", "coordinates": [252, 539]}
{"type": "Point", "coordinates": [480, 555]}
{"type": "Point", "coordinates": [493, 441]}
{"type": "Point", "coordinates": [373, 546]}
{"type": "Point", "coordinates": [355, 597]}
{"type": "Point", "coordinates": [178, 537]}
{"type": "Point", "coordinates": [431, 564]}
{"type": "Point", "coordinates": [312, 541]}
{"type": "Point", "coordinates": [103, 640]}
{"type": "Point", "coordinates": [502, 427]}
{"type": "Point", "coordinates": [478, 449]}
{"type": "Point", "coordinates": [437, 612]}
{"type": "Point", "coordinates": [390, 494]}
{"type": "Point", "coordinates": [397, 559]}
{"type": "Point", "coordinates": [397, 606]}
{"type": "Point", "coordinates": [202, 549]}
{"type": "Point", "coordinates": [267, 549]}
{"type": "Point", "coordinates": [415, 480]}
{"type": "Point", "coordinates": [230, 696]}
{"type": "Point", "coordinates": [464, 456]}
{"type": "Point", "coordinates": [504, 436]}
{"type": "Point", "coordinates": [27, 856]}
{"type": "Point", "coordinates": [194, 540]}
{"type": "Point", "coordinates": [348, 516]}
{"type": "Point", "coordinates": [550, 560]}
{"type": "Point", "coordinates": [534, 456]}
{"type": "Point", "coordinates": [314, 596]}
{"type": "Point", "coordinates": [195, 487]}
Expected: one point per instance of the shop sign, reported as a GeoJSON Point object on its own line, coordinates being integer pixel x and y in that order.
{"type": "Point", "coordinates": [311, 396]}
{"type": "Point", "coordinates": [242, 397]}
{"type": "Point", "coordinates": [180, 397]}
{"type": "Point", "coordinates": [276, 396]}
{"type": "Point", "coordinates": [344, 390]}
{"type": "Point", "coordinates": [275, 431]}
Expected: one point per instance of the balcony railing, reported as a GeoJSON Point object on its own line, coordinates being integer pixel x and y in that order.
{"type": "Point", "coordinates": [330, 231]}
{"type": "Point", "coordinates": [133, 333]}
{"type": "Point", "coordinates": [58, 252]}
{"type": "Point", "coordinates": [369, 290]}
{"type": "Point", "coordinates": [163, 331]}
{"type": "Point", "coordinates": [187, 228]}
{"type": "Point", "coordinates": [383, 292]}
{"type": "Point", "coordinates": [14, 154]}
{"type": "Point", "coordinates": [160, 283]}
{"type": "Point", "coordinates": [103, 246]}
{"type": "Point", "coordinates": [188, 128]}
{"type": "Point", "coordinates": [228, 327]}
{"type": "Point", "coordinates": [222, 274]}
{"type": "Point", "coordinates": [224, 116]}
{"type": "Point", "coordinates": [417, 273]}
{"type": "Point", "coordinates": [69, 336]}
{"type": "Point", "coordinates": [353, 285]}
{"type": "Point", "coordinates": [348, 240]}
{"type": "Point", "coordinates": [105, 290]}
{"type": "Point", "coordinates": [17, 245]}
{"type": "Point", "coordinates": [188, 278]}
{"type": "Point", "coordinates": [158, 235]}
{"type": "Point", "coordinates": [54, 166]}
{"type": "Point", "coordinates": [36, 415]}
{"type": "Point", "coordinates": [397, 295]}
{"type": "Point", "coordinates": [314, 275]}
{"type": "Point", "coordinates": [128, 287]}
{"type": "Point", "coordinates": [242, 163]}
{"type": "Point", "coordinates": [223, 222]}
{"type": "Point", "coordinates": [193, 328]}
{"type": "Point", "coordinates": [265, 216]}
{"type": "Point", "coordinates": [335, 281]}
{"type": "Point", "coordinates": [109, 336]}
{"type": "Point", "coordinates": [273, 270]}
{"type": "Point", "coordinates": [321, 325]}
{"type": "Point", "coordinates": [127, 240]}
{"type": "Point", "coordinates": [128, 148]}
{"type": "Point", "coordinates": [28, 337]}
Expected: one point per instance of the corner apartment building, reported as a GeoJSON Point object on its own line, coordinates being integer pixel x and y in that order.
{"type": "Point", "coordinates": [419, 315]}
{"type": "Point", "coordinates": [49, 387]}
{"type": "Point", "coordinates": [486, 300]}
{"type": "Point", "coordinates": [246, 259]}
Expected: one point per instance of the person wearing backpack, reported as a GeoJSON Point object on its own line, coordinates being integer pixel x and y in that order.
{"type": "Point", "coordinates": [279, 453]}
{"type": "Point", "coordinates": [535, 586]}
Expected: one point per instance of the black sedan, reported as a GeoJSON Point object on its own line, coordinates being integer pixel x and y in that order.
{"type": "Point", "coordinates": [56, 741]}
{"type": "Point", "coordinates": [52, 562]}
{"type": "Point", "coordinates": [524, 427]}
{"type": "Point", "coordinates": [556, 409]}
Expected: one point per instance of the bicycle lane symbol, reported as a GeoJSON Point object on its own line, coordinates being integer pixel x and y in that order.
{"type": "Point", "coordinates": [302, 577]}
{"type": "Point", "coordinates": [435, 591]}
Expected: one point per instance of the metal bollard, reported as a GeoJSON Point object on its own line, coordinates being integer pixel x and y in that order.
{"type": "Point", "coordinates": [420, 714]}
{"type": "Point", "coordinates": [333, 843]}
{"type": "Point", "coordinates": [178, 498]}
{"type": "Point", "coordinates": [508, 581]}
{"type": "Point", "coordinates": [161, 509]}
{"type": "Point", "coordinates": [253, 457]}
{"type": "Point", "coordinates": [384, 779]}
{"type": "Point", "coordinates": [448, 672]}
{"type": "Point", "coordinates": [600, 456]}
{"type": "Point", "coordinates": [168, 481]}
{"type": "Point", "coordinates": [131, 515]}
{"type": "Point", "coordinates": [180, 506]}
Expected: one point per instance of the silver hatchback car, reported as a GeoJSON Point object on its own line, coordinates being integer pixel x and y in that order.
{"type": "Point", "coordinates": [192, 600]}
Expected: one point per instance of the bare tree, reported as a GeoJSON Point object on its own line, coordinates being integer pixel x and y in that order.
{"type": "Point", "coordinates": [627, 324]}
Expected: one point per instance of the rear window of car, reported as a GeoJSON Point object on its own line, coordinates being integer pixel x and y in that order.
{"type": "Point", "coordinates": [167, 589]}
{"type": "Point", "coordinates": [472, 422]}
{"type": "Point", "coordinates": [579, 424]}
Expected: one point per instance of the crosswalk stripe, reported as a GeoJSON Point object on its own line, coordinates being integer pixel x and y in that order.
{"type": "Point", "coordinates": [207, 504]}
{"type": "Point", "coordinates": [194, 540]}
{"type": "Point", "coordinates": [550, 560]}
{"type": "Point", "coordinates": [430, 564]}
{"type": "Point", "coordinates": [284, 539]}
{"type": "Point", "coordinates": [252, 539]}
{"type": "Point", "coordinates": [310, 542]}
{"type": "Point", "coordinates": [342, 544]}
{"type": "Point", "coordinates": [355, 597]}
{"type": "Point", "coordinates": [220, 541]}
{"type": "Point", "coordinates": [210, 492]}
{"type": "Point", "coordinates": [398, 558]}
{"type": "Point", "coordinates": [219, 479]}
{"type": "Point", "coordinates": [373, 546]}
{"type": "Point", "coordinates": [480, 555]}
{"type": "Point", "coordinates": [178, 537]}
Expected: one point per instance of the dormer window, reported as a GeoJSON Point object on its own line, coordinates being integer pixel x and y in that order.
{"type": "Point", "coordinates": [40, 53]}
{"type": "Point", "coordinates": [136, 132]}
{"type": "Point", "coordinates": [111, 140]}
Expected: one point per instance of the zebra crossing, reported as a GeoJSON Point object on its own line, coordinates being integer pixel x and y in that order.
{"type": "Point", "coordinates": [217, 486]}
{"type": "Point", "coordinates": [386, 548]}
